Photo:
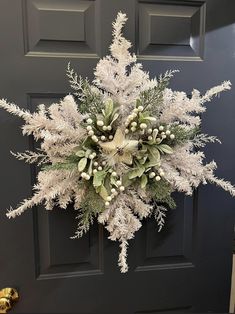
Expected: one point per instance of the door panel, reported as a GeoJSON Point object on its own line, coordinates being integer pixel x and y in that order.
{"type": "Point", "coordinates": [186, 267]}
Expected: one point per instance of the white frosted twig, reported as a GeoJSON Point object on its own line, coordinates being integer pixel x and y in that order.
{"type": "Point", "coordinates": [31, 157]}
{"type": "Point", "coordinates": [214, 91]}
{"type": "Point", "coordinates": [159, 215]}
{"type": "Point", "coordinates": [200, 140]}
{"type": "Point", "coordinates": [225, 185]}
{"type": "Point", "coordinates": [14, 109]}
{"type": "Point", "coordinates": [122, 260]}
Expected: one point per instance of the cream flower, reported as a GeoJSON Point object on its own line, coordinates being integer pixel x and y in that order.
{"type": "Point", "coordinates": [120, 149]}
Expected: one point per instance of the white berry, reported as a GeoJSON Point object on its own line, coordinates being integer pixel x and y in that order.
{"type": "Point", "coordinates": [152, 175]}
{"type": "Point", "coordinates": [172, 136]}
{"type": "Point", "coordinates": [87, 177]}
{"type": "Point", "coordinates": [89, 121]}
{"type": "Point", "coordinates": [158, 178]}
{"type": "Point", "coordinates": [134, 124]}
{"type": "Point", "coordinates": [143, 126]}
{"type": "Point", "coordinates": [103, 163]}
{"type": "Point", "coordinates": [122, 188]}
{"type": "Point", "coordinates": [100, 168]}
{"type": "Point", "coordinates": [168, 132]}
{"type": "Point", "coordinates": [161, 128]}
{"type": "Point", "coordinates": [89, 128]}
{"type": "Point", "coordinates": [134, 115]}
{"type": "Point", "coordinates": [94, 138]}
{"type": "Point", "coordinates": [114, 174]}
{"type": "Point", "coordinates": [91, 132]}
{"type": "Point", "coordinates": [119, 183]}
{"type": "Point", "coordinates": [109, 198]}
{"type": "Point", "coordinates": [109, 127]}
{"type": "Point", "coordinates": [91, 156]}
{"type": "Point", "coordinates": [140, 108]}
{"type": "Point", "coordinates": [113, 191]}
{"type": "Point", "coordinates": [95, 163]}
{"type": "Point", "coordinates": [126, 131]}
{"type": "Point", "coordinates": [95, 170]}
{"type": "Point", "coordinates": [100, 123]}
{"type": "Point", "coordinates": [103, 138]}
{"type": "Point", "coordinates": [133, 129]}
{"type": "Point", "coordinates": [107, 203]}
{"type": "Point", "coordinates": [150, 131]}
{"type": "Point", "coordinates": [150, 138]}
{"type": "Point", "coordinates": [110, 137]}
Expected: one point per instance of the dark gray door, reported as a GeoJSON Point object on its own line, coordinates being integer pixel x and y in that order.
{"type": "Point", "coordinates": [187, 266]}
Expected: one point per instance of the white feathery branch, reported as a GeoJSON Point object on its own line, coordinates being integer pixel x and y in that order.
{"type": "Point", "coordinates": [15, 110]}
{"type": "Point", "coordinates": [31, 157]}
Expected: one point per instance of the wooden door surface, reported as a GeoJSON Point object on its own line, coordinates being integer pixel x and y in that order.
{"type": "Point", "coordinates": [186, 267]}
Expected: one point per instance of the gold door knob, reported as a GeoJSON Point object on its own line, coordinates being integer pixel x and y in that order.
{"type": "Point", "coordinates": [8, 296]}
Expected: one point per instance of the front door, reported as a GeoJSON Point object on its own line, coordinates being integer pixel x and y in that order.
{"type": "Point", "coordinates": [186, 267]}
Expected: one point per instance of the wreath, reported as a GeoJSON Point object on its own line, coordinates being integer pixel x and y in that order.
{"type": "Point", "coordinates": [119, 146]}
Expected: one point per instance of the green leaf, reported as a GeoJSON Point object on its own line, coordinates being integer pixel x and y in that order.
{"type": "Point", "coordinates": [154, 155]}
{"type": "Point", "coordinates": [87, 153]}
{"type": "Point", "coordinates": [98, 178]}
{"type": "Point", "coordinates": [165, 149]}
{"type": "Point", "coordinates": [108, 108]}
{"type": "Point", "coordinates": [80, 153]}
{"type": "Point", "coordinates": [102, 191]}
{"type": "Point", "coordinates": [155, 133]}
{"type": "Point", "coordinates": [126, 181]}
{"type": "Point", "coordinates": [82, 164]}
{"type": "Point", "coordinates": [136, 172]}
{"type": "Point", "coordinates": [116, 115]}
{"type": "Point", "coordinates": [143, 160]}
{"type": "Point", "coordinates": [152, 119]}
{"type": "Point", "coordinates": [144, 181]}
{"type": "Point", "coordinates": [113, 180]}
{"type": "Point", "coordinates": [90, 167]}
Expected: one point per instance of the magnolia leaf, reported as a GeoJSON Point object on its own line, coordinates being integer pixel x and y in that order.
{"type": "Point", "coordinates": [82, 164]}
{"type": "Point", "coordinates": [165, 149]}
{"type": "Point", "coordinates": [98, 178]}
{"type": "Point", "coordinates": [137, 172]}
{"type": "Point", "coordinates": [80, 153]}
{"type": "Point", "coordinates": [144, 181]}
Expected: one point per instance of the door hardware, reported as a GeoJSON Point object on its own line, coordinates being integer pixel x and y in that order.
{"type": "Point", "coordinates": [8, 296]}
